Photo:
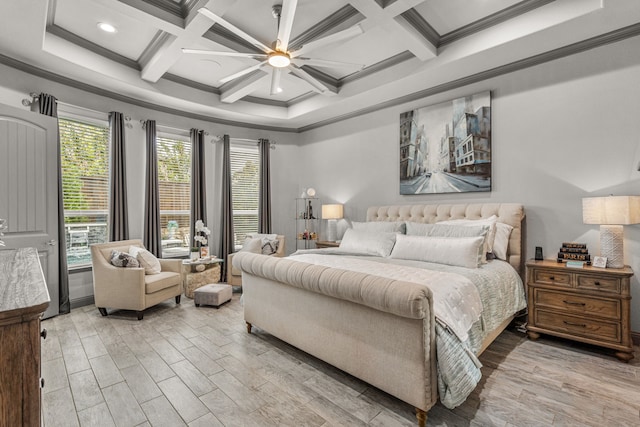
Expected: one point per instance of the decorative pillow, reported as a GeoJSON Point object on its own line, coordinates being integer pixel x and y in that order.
{"type": "Point", "coordinates": [459, 251]}
{"type": "Point", "coordinates": [447, 230]}
{"type": "Point", "coordinates": [501, 242]}
{"type": "Point", "coordinates": [269, 246]}
{"type": "Point", "coordinates": [253, 245]}
{"type": "Point", "coordinates": [491, 222]}
{"type": "Point", "coordinates": [123, 259]}
{"type": "Point", "coordinates": [146, 259]}
{"type": "Point", "coordinates": [367, 242]}
{"type": "Point", "coordinates": [379, 226]}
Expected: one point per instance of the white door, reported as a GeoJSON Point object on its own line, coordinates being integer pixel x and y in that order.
{"type": "Point", "coordinates": [29, 189]}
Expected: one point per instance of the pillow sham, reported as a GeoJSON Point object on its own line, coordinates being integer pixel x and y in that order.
{"type": "Point", "coordinates": [123, 259]}
{"type": "Point", "coordinates": [252, 244]}
{"type": "Point", "coordinates": [457, 251]}
{"type": "Point", "coordinates": [268, 243]}
{"type": "Point", "coordinates": [146, 259]}
{"type": "Point", "coordinates": [501, 242]}
{"type": "Point", "coordinates": [491, 222]}
{"type": "Point", "coordinates": [379, 226]}
{"type": "Point", "coordinates": [367, 242]}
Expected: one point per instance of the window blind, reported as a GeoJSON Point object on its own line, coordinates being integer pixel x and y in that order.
{"type": "Point", "coordinates": [85, 186]}
{"type": "Point", "coordinates": [174, 180]}
{"type": "Point", "coordinates": [245, 182]}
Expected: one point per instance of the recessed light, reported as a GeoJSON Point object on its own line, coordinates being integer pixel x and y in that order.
{"type": "Point", "coordinates": [279, 90]}
{"type": "Point", "coordinates": [107, 28]}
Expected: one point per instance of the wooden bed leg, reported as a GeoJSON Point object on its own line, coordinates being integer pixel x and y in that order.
{"type": "Point", "coordinates": [248, 327]}
{"type": "Point", "coordinates": [422, 417]}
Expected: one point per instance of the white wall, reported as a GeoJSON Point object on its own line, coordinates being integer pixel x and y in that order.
{"type": "Point", "coordinates": [16, 85]}
{"type": "Point", "coordinates": [561, 131]}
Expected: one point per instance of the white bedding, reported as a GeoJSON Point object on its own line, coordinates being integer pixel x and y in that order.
{"type": "Point", "coordinates": [456, 300]}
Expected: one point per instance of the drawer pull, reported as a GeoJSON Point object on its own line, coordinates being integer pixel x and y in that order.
{"type": "Point", "coordinates": [596, 283]}
{"type": "Point", "coordinates": [552, 278]}
{"type": "Point", "coordinates": [43, 333]}
{"type": "Point", "coordinates": [574, 303]}
{"type": "Point", "coordinates": [581, 325]}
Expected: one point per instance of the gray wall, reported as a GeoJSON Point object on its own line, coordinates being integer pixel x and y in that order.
{"type": "Point", "coordinates": [561, 131]}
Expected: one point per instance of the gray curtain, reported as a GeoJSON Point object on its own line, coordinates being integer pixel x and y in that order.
{"type": "Point", "coordinates": [118, 216]}
{"type": "Point", "coordinates": [264, 199]}
{"type": "Point", "coordinates": [48, 105]}
{"type": "Point", "coordinates": [227, 244]}
{"type": "Point", "coordinates": [198, 186]}
{"type": "Point", "coordinates": [152, 238]}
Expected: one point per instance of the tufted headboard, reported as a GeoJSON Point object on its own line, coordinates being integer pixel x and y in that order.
{"type": "Point", "coordinates": [508, 213]}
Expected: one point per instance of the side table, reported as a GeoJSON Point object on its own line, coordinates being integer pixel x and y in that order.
{"type": "Point", "coordinates": [197, 273]}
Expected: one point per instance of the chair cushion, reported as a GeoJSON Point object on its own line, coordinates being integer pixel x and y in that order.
{"type": "Point", "coordinates": [157, 282]}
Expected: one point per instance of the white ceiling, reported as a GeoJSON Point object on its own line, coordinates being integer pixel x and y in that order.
{"type": "Point", "coordinates": [409, 49]}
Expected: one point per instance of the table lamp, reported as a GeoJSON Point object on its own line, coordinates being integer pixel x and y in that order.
{"type": "Point", "coordinates": [332, 213]}
{"type": "Point", "coordinates": [611, 213]}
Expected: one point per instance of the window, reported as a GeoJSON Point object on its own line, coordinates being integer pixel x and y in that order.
{"type": "Point", "coordinates": [174, 180]}
{"type": "Point", "coordinates": [85, 186]}
{"type": "Point", "coordinates": [245, 187]}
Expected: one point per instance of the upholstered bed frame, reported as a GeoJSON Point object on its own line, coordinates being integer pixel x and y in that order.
{"type": "Point", "coordinates": [377, 329]}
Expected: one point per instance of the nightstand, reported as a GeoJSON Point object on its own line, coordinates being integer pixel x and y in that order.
{"type": "Point", "coordinates": [325, 244]}
{"type": "Point", "coordinates": [586, 304]}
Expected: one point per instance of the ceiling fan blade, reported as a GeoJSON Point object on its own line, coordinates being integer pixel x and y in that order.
{"type": "Point", "coordinates": [285, 24]}
{"type": "Point", "coordinates": [235, 30]}
{"type": "Point", "coordinates": [220, 53]}
{"type": "Point", "coordinates": [330, 64]}
{"type": "Point", "coordinates": [275, 81]}
{"type": "Point", "coordinates": [243, 72]}
{"type": "Point", "coordinates": [315, 83]}
{"type": "Point", "coordinates": [333, 38]}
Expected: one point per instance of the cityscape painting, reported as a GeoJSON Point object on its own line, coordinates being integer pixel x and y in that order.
{"type": "Point", "coordinates": [446, 148]}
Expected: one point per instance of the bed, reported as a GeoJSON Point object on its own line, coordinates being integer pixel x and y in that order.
{"type": "Point", "coordinates": [374, 318]}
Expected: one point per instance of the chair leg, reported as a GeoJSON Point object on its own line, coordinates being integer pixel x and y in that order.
{"type": "Point", "coordinates": [178, 299]}
{"type": "Point", "coordinates": [102, 310]}
{"type": "Point", "coordinates": [140, 315]}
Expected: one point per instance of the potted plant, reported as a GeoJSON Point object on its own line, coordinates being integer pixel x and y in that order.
{"type": "Point", "coordinates": [201, 238]}
{"type": "Point", "coordinates": [172, 226]}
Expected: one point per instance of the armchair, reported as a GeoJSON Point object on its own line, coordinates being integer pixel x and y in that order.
{"type": "Point", "coordinates": [130, 288]}
{"type": "Point", "coordinates": [234, 275]}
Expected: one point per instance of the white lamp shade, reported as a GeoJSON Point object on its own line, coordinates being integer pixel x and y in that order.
{"type": "Point", "coordinates": [611, 210]}
{"type": "Point", "coordinates": [332, 211]}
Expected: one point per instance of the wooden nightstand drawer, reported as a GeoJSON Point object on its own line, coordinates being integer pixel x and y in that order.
{"type": "Point", "coordinates": [579, 326]}
{"type": "Point", "coordinates": [548, 277]}
{"type": "Point", "coordinates": [577, 304]}
{"type": "Point", "coordinates": [599, 283]}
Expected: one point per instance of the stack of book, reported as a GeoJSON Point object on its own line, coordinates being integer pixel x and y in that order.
{"type": "Point", "coordinates": [574, 252]}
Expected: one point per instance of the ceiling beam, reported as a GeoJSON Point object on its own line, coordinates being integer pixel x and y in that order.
{"type": "Point", "coordinates": [242, 86]}
{"type": "Point", "coordinates": [390, 18]}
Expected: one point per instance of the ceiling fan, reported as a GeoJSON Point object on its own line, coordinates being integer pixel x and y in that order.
{"type": "Point", "coordinates": [278, 57]}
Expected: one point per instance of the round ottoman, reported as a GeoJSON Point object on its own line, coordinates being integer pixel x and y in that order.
{"type": "Point", "coordinates": [214, 294]}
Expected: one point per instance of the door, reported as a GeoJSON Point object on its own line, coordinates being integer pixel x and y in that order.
{"type": "Point", "coordinates": [29, 189]}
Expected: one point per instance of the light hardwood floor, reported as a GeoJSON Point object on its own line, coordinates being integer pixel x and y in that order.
{"type": "Point", "coordinates": [184, 365]}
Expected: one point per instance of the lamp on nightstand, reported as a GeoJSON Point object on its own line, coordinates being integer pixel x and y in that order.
{"type": "Point", "coordinates": [332, 213]}
{"type": "Point", "coordinates": [611, 213]}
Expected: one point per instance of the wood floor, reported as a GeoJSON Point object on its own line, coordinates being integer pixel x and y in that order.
{"type": "Point", "coordinates": [184, 365]}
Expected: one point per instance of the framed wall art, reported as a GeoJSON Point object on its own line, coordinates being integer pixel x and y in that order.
{"type": "Point", "coordinates": [446, 147]}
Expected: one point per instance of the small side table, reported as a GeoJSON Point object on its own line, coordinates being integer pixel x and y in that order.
{"type": "Point", "coordinates": [326, 244]}
{"type": "Point", "coordinates": [192, 279]}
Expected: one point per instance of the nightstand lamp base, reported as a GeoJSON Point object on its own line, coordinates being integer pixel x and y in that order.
{"type": "Point", "coordinates": [611, 245]}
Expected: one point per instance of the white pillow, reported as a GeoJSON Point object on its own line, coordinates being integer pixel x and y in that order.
{"type": "Point", "coordinates": [501, 242]}
{"type": "Point", "coordinates": [491, 222]}
{"type": "Point", "coordinates": [459, 251]}
{"type": "Point", "coordinates": [379, 226]}
{"type": "Point", "coordinates": [147, 260]}
{"type": "Point", "coordinates": [252, 244]}
{"type": "Point", "coordinates": [366, 242]}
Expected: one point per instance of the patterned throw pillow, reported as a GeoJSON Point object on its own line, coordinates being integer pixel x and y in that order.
{"type": "Point", "coordinates": [269, 246]}
{"type": "Point", "coordinates": [123, 259]}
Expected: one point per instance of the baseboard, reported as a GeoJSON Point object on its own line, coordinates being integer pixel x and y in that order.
{"type": "Point", "coordinates": [635, 337]}
{"type": "Point", "coordinates": [81, 302]}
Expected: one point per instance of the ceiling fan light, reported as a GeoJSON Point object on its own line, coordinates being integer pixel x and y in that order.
{"type": "Point", "coordinates": [279, 60]}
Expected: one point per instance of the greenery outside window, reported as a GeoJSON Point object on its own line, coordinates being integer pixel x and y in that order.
{"type": "Point", "coordinates": [245, 186]}
{"type": "Point", "coordinates": [174, 179]}
{"type": "Point", "coordinates": [85, 186]}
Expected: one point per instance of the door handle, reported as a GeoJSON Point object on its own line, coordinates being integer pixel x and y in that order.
{"type": "Point", "coordinates": [52, 242]}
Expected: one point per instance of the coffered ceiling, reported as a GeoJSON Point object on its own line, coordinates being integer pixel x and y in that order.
{"type": "Point", "coordinates": [405, 49]}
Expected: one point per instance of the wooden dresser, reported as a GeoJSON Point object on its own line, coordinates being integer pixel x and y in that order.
{"type": "Point", "coordinates": [587, 304]}
{"type": "Point", "coordinates": [23, 299]}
